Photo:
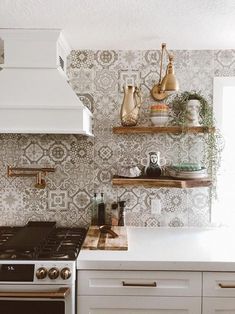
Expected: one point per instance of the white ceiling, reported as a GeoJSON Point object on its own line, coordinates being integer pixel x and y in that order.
{"type": "Point", "coordinates": [128, 24]}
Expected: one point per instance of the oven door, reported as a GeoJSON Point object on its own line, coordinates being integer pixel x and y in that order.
{"type": "Point", "coordinates": [34, 299]}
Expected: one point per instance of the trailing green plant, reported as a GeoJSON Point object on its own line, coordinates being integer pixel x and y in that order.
{"type": "Point", "coordinates": [213, 141]}
{"type": "Point", "coordinates": [179, 107]}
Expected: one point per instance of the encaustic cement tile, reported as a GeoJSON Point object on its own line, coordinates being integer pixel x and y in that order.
{"type": "Point", "coordinates": [85, 165]}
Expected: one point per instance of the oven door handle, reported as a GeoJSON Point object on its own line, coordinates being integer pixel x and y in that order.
{"type": "Point", "coordinates": [61, 293]}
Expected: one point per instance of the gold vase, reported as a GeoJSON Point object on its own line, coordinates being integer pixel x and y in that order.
{"type": "Point", "coordinates": [130, 106]}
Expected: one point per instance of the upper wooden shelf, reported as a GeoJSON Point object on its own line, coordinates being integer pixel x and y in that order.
{"type": "Point", "coordinates": [166, 182]}
{"type": "Point", "coordinates": [161, 129]}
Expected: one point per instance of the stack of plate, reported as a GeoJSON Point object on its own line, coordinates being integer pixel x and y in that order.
{"type": "Point", "coordinates": [188, 171]}
{"type": "Point", "coordinates": [159, 114]}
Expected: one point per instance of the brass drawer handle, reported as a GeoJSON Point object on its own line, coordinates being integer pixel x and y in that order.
{"type": "Point", "coordinates": [127, 284]}
{"type": "Point", "coordinates": [221, 285]}
{"type": "Point", "coordinates": [61, 293]}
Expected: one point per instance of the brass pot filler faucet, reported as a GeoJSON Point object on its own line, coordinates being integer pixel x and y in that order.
{"type": "Point", "coordinates": [39, 173]}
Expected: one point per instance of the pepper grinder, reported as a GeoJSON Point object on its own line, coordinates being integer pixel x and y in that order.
{"type": "Point", "coordinates": [121, 213]}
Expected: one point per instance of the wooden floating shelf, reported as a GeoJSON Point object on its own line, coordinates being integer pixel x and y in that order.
{"type": "Point", "coordinates": [161, 129]}
{"type": "Point", "coordinates": [165, 182]}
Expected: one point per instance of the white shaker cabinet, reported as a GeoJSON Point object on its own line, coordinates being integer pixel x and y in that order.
{"type": "Point", "coordinates": [164, 271]}
{"type": "Point", "coordinates": [139, 292]}
{"type": "Point", "coordinates": [218, 293]}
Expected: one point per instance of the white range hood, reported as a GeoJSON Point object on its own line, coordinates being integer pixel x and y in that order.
{"type": "Point", "coordinates": [35, 96]}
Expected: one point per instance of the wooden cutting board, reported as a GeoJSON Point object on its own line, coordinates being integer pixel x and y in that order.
{"type": "Point", "coordinates": [95, 240]}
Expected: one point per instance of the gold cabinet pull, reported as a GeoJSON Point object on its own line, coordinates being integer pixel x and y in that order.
{"type": "Point", "coordinates": [221, 285]}
{"type": "Point", "coordinates": [128, 284]}
{"type": "Point", "coordinates": [61, 293]}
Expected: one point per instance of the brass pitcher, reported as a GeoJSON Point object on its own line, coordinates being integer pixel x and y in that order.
{"type": "Point", "coordinates": [130, 106]}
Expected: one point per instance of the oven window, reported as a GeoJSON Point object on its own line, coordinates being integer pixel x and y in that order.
{"type": "Point", "coordinates": [32, 307]}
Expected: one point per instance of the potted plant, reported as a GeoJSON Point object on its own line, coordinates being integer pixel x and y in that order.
{"type": "Point", "coordinates": [180, 108]}
{"type": "Point", "coordinates": [202, 116]}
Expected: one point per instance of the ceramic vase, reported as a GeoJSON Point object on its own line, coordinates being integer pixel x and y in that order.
{"type": "Point", "coordinates": [130, 106]}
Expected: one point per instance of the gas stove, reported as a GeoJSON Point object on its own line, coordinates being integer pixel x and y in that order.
{"type": "Point", "coordinates": [40, 241]}
{"type": "Point", "coordinates": [38, 268]}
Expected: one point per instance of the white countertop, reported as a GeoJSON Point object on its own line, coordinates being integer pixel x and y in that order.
{"type": "Point", "coordinates": [195, 249]}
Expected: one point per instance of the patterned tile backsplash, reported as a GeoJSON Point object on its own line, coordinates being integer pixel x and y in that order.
{"type": "Point", "coordinates": [84, 165]}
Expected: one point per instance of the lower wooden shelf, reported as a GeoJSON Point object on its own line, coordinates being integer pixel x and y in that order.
{"type": "Point", "coordinates": [166, 182]}
{"type": "Point", "coordinates": [162, 129]}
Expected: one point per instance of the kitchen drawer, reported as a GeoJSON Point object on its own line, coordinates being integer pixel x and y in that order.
{"type": "Point", "coordinates": [219, 284]}
{"type": "Point", "coordinates": [218, 306]}
{"type": "Point", "coordinates": [140, 305]}
{"type": "Point", "coordinates": [150, 283]}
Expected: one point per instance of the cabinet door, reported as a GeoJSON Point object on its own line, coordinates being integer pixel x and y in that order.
{"type": "Point", "coordinates": [219, 284]}
{"type": "Point", "coordinates": [138, 305]}
{"type": "Point", "coordinates": [218, 306]}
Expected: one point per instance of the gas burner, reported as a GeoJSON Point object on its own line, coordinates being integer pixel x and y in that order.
{"type": "Point", "coordinates": [7, 234]}
{"type": "Point", "coordinates": [5, 256]}
{"type": "Point", "coordinates": [67, 255]}
{"type": "Point", "coordinates": [16, 255]}
{"type": "Point", "coordinates": [68, 243]}
{"type": "Point", "coordinates": [60, 256]}
{"type": "Point", "coordinates": [2, 240]}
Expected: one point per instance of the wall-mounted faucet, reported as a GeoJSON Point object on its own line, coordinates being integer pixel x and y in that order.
{"type": "Point", "coordinates": [39, 173]}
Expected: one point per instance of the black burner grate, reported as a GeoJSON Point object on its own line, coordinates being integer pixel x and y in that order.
{"type": "Point", "coordinates": [39, 240]}
{"type": "Point", "coordinates": [63, 243]}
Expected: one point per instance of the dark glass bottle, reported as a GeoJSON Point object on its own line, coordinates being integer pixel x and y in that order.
{"type": "Point", "coordinates": [101, 211]}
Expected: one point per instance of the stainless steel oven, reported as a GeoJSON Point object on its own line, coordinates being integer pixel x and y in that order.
{"type": "Point", "coordinates": [26, 288]}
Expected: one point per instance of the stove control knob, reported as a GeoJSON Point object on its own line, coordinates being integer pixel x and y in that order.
{"type": "Point", "coordinates": [65, 273]}
{"type": "Point", "coordinates": [53, 273]}
{"type": "Point", "coordinates": [41, 273]}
